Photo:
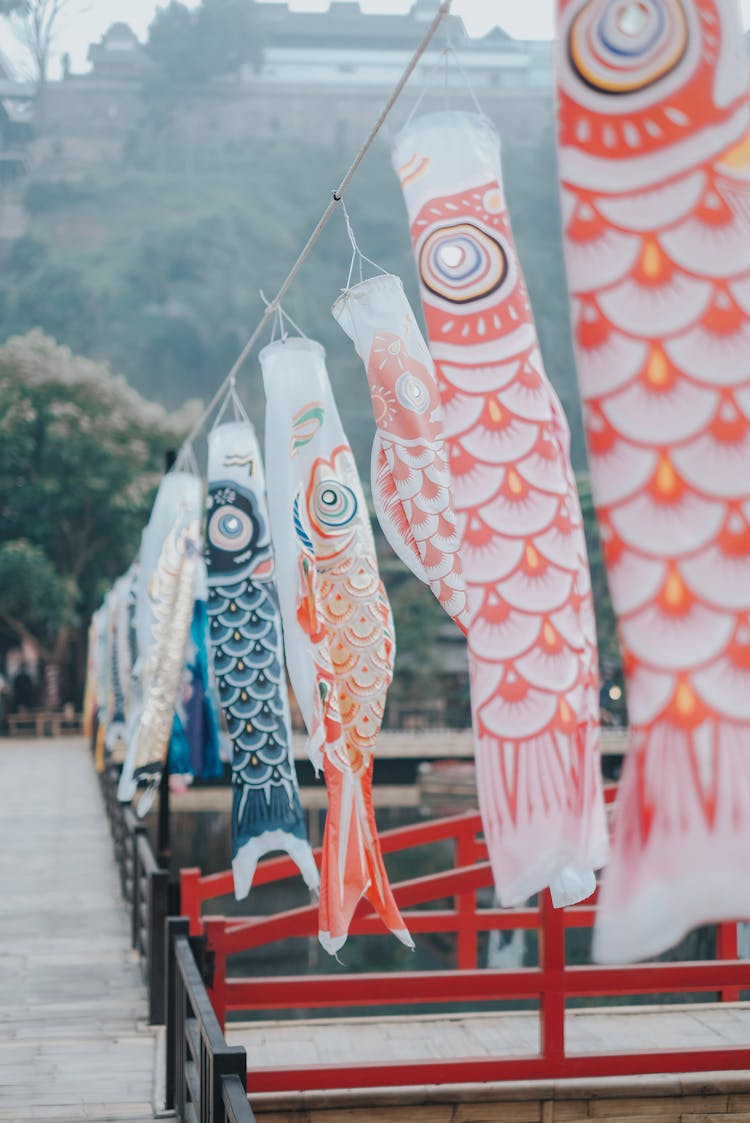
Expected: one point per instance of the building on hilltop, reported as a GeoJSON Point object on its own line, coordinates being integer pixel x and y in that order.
{"type": "Point", "coordinates": [322, 75]}
{"type": "Point", "coordinates": [119, 54]}
{"type": "Point", "coordinates": [347, 47]}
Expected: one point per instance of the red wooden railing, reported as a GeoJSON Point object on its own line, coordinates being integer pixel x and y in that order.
{"type": "Point", "coordinates": [550, 983]}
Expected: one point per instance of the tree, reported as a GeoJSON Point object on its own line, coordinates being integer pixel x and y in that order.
{"type": "Point", "coordinates": [213, 41]}
{"type": "Point", "coordinates": [80, 455]}
{"type": "Point", "coordinates": [35, 23]}
{"type": "Point", "coordinates": [36, 602]}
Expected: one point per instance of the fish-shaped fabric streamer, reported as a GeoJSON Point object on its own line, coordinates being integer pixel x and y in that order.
{"type": "Point", "coordinates": [531, 633]}
{"type": "Point", "coordinates": [194, 744]}
{"type": "Point", "coordinates": [340, 643]}
{"type": "Point", "coordinates": [119, 673]}
{"type": "Point", "coordinates": [411, 485]}
{"type": "Point", "coordinates": [89, 706]}
{"type": "Point", "coordinates": [169, 560]}
{"type": "Point", "coordinates": [654, 157]}
{"type": "Point", "coordinates": [246, 641]}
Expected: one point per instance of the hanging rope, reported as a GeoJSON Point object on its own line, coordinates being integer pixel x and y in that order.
{"type": "Point", "coordinates": [448, 57]}
{"type": "Point", "coordinates": [357, 256]}
{"type": "Point", "coordinates": [337, 196]}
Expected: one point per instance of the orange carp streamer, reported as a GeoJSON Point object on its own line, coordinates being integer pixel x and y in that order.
{"type": "Point", "coordinates": [655, 178]}
{"type": "Point", "coordinates": [338, 628]}
{"type": "Point", "coordinates": [531, 633]}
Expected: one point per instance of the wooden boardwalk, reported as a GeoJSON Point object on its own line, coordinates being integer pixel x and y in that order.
{"type": "Point", "coordinates": [509, 1034]}
{"type": "Point", "coordinates": [74, 1044]}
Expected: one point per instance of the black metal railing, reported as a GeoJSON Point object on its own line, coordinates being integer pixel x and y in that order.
{"type": "Point", "coordinates": [145, 887]}
{"type": "Point", "coordinates": [206, 1079]}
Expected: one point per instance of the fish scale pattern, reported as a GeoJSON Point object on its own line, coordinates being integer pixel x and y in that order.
{"type": "Point", "coordinates": [655, 179]}
{"type": "Point", "coordinates": [245, 637]}
{"type": "Point", "coordinates": [247, 652]}
{"type": "Point", "coordinates": [531, 632]}
{"type": "Point", "coordinates": [410, 477]}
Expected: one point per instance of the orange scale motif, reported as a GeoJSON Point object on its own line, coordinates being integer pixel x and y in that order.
{"type": "Point", "coordinates": [540, 469]}
{"type": "Point", "coordinates": [724, 317]}
{"type": "Point", "coordinates": [502, 413]}
{"type": "Point", "coordinates": [653, 118]}
{"type": "Point", "coordinates": [592, 329]}
{"type": "Point", "coordinates": [601, 258]}
{"type": "Point", "coordinates": [344, 661]}
{"type": "Point", "coordinates": [362, 636]}
{"type": "Point", "coordinates": [341, 671]}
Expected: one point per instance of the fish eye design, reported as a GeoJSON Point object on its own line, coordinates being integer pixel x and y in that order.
{"type": "Point", "coordinates": [230, 529]}
{"type": "Point", "coordinates": [462, 262]}
{"type": "Point", "coordinates": [412, 393]}
{"type": "Point", "coordinates": [622, 46]}
{"type": "Point", "coordinates": [334, 503]}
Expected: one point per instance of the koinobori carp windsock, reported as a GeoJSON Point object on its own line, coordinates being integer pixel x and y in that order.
{"type": "Point", "coordinates": [654, 157]}
{"type": "Point", "coordinates": [531, 634]}
{"type": "Point", "coordinates": [411, 486]}
{"type": "Point", "coordinates": [340, 644]}
{"type": "Point", "coordinates": [169, 562]}
{"type": "Point", "coordinates": [248, 658]}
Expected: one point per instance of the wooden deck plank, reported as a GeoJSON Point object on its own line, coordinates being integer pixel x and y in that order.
{"type": "Point", "coordinates": [74, 1043]}
{"type": "Point", "coordinates": [607, 1030]}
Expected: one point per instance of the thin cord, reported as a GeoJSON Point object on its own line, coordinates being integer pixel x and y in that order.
{"type": "Point", "coordinates": [357, 255]}
{"type": "Point", "coordinates": [440, 15]}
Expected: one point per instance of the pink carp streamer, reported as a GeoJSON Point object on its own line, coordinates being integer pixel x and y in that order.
{"type": "Point", "coordinates": [411, 485]}
{"type": "Point", "coordinates": [655, 169]}
{"type": "Point", "coordinates": [531, 634]}
{"type": "Point", "coordinates": [338, 629]}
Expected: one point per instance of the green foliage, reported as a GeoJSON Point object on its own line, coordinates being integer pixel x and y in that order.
{"type": "Point", "coordinates": [70, 307]}
{"type": "Point", "coordinates": [214, 40]}
{"type": "Point", "coordinates": [35, 600]}
{"type": "Point", "coordinates": [80, 454]}
{"type": "Point", "coordinates": [50, 195]}
{"type": "Point", "coordinates": [419, 621]}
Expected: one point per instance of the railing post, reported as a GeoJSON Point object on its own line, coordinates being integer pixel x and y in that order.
{"type": "Point", "coordinates": [174, 927]}
{"type": "Point", "coordinates": [466, 907]}
{"type": "Point", "coordinates": [190, 900]}
{"type": "Point", "coordinates": [213, 929]}
{"type": "Point", "coordinates": [158, 911]}
{"type": "Point", "coordinates": [135, 904]}
{"type": "Point", "coordinates": [552, 996]}
{"type": "Point", "coordinates": [231, 1060]}
{"type": "Point", "coordinates": [726, 948]}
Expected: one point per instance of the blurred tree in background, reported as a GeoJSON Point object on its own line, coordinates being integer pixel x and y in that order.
{"type": "Point", "coordinates": [213, 40]}
{"type": "Point", "coordinates": [35, 25]}
{"type": "Point", "coordinates": [80, 456]}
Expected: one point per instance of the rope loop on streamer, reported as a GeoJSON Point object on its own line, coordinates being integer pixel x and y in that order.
{"type": "Point", "coordinates": [231, 398]}
{"type": "Point", "coordinates": [448, 57]}
{"type": "Point", "coordinates": [280, 318]}
{"type": "Point", "coordinates": [186, 460]}
{"type": "Point", "coordinates": [357, 256]}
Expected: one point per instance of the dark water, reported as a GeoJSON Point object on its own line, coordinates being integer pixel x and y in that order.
{"type": "Point", "coordinates": [202, 838]}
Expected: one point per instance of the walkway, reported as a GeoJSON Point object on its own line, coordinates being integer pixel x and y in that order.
{"type": "Point", "coordinates": [74, 1044]}
{"type": "Point", "coordinates": [325, 1041]}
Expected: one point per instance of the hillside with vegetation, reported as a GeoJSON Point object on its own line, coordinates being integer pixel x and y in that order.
{"type": "Point", "coordinates": [154, 262]}
{"type": "Point", "coordinates": [149, 253]}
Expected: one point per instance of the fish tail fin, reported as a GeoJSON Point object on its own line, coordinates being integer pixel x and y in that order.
{"type": "Point", "coordinates": [681, 847]}
{"type": "Point", "coordinates": [352, 865]}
